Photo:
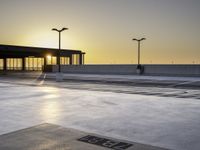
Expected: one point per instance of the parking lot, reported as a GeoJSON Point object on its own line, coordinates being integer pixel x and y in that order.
{"type": "Point", "coordinates": [165, 117]}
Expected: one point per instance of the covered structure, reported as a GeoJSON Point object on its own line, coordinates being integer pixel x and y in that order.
{"type": "Point", "coordinates": [36, 58]}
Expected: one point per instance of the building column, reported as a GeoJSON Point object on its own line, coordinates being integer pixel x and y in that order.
{"type": "Point", "coordinates": [71, 59]}
{"type": "Point", "coordinates": [23, 64]}
{"type": "Point", "coordinates": [80, 59]}
{"type": "Point", "coordinates": [4, 64]}
{"type": "Point", "coordinates": [45, 63]}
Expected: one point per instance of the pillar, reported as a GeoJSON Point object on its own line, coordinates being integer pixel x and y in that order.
{"type": "Point", "coordinates": [80, 59]}
{"type": "Point", "coordinates": [71, 60]}
{"type": "Point", "coordinates": [4, 64]}
{"type": "Point", "coordinates": [23, 64]}
{"type": "Point", "coordinates": [45, 63]}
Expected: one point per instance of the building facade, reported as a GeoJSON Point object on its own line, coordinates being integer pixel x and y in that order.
{"type": "Point", "coordinates": [23, 58]}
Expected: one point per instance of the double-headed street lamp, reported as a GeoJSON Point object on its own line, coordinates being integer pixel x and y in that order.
{"type": "Point", "coordinates": [58, 56]}
{"type": "Point", "coordinates": [139, 41]}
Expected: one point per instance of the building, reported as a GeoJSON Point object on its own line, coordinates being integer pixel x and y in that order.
{"type": "Point", "coordinates": [36, 58]}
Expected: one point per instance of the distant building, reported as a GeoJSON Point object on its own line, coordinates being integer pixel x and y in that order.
{"type": "Point", "coordinates": [36, 58]}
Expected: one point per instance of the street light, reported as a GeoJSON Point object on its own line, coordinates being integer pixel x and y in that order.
{"type": "Point", "coordinates": [139, 68]}
{"type": "Point", "coordinates": [58, 56]}
{"type": "Point", "coordinates": [139, 40]}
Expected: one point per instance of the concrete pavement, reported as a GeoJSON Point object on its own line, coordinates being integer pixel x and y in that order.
{"type": "Point", "coordinates": [168, 122]}
{"type": "Point", "coordinates": [133, 80]}
{"type": "Point", "coordinates": [53, 137]}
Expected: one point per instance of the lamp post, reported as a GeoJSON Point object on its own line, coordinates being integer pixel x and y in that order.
{"type": "Point", "coordinates": [58, 56]}
{"type": "Point", "coordinates": [139, 68]}
{"type": "Point", "coordinates": [139, 41]}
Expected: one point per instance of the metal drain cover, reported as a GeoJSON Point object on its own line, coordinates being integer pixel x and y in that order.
{"type": "Point", "coordinates": [113, 144]}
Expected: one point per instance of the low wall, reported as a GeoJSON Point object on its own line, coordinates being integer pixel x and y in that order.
{"type": "Point", "coordinates": [162, 70]}
{"type": "Point", "coordinates": [173, 70]}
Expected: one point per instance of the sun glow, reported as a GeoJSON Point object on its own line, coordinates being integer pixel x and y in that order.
{"type": "Point", "coordinates": [49, 57]}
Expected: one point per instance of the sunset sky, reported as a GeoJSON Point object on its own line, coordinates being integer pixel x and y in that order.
{"type": "Point", "coordinates": [104, 29]}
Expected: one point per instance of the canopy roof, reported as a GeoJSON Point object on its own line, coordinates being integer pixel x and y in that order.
{"type": "Point", "coordinates": [25, 51]}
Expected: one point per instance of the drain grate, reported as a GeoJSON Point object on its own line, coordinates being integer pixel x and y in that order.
{"type": "Point", "coordinates": [116, 145]}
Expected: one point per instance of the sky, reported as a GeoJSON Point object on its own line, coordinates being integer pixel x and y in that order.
{"type": "Point", "coordinates": [104, 29]}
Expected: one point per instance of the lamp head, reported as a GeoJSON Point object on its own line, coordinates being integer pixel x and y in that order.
{"type": "Point", "coordinates": [139, 39]}
{"type": "Point", "coordinates": [142, 39]}
{"type": "Point", "coordinates": [64, 29]}
{"type": "Point", "coordinates": [54, 29]}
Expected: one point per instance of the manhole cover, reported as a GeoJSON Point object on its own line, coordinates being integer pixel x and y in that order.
{"type": "Point", "coordinates": [117, 145]}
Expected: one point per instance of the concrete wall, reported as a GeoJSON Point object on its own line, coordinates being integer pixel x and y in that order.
{"type": "Point", "coordinates": [172, 70]}
{"type": "Point", "coordinates": [169, 70]}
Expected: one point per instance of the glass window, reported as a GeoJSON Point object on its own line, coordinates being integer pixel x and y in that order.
{"type": "Point", "coordinates": [34, 63]}
{"type": "Point", "coordinates": [1, 64]}
{"type": "Point", "coordinates": [14, 63]}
